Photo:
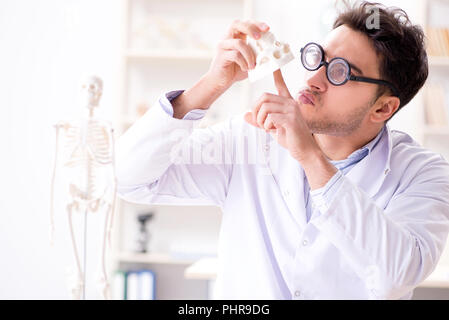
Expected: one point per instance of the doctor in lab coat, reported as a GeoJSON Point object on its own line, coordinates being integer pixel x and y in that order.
{"type": "Point", "coordinates": [320, 198]}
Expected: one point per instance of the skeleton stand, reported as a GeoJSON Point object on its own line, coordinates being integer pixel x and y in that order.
{"type": "Point", "coordinates": [85, 254]}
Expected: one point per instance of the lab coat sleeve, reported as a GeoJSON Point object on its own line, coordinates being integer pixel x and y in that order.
{"type": "Point", "coordinates": [164, 160]}
{"type": "Point", "coordinates": [165, 103]}
{"type": "Point", "coordinates": [392, 249]}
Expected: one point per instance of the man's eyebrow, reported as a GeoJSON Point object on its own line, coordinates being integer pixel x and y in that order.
{"type": "Point", "coordinates": [350, 64]}
{"type": "Point", "coordinates": [355, 68]}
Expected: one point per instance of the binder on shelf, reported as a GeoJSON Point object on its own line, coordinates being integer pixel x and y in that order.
{"type": "Point", "coordinates": [132, 285]}
{"type": "Point", "coordinates": [141, 285]}
{"type": "Point", "coordinates": [119, 285]}
{"type": "Point", "coordinates": [147, 285]}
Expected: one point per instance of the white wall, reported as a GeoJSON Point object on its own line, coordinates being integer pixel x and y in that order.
{"type": "Point", "coordinates": [46, 48]}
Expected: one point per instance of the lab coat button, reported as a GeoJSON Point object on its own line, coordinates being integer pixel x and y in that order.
{"type": "Point", "coordinates": [305, 242]}
{"type": "Point", "coordinates": [297, 293]}
{"type": "Point", "coordinates": [266, 147]}
{"type": "Point", "coordinates": [386, 171]}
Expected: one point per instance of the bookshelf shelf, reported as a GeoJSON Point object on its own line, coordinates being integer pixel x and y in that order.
{"type": "Point", "coordinates": [438, 279]}
{"type": "Point", "coordinates": [438, 61]}
{"type": "Point", "coordinates": [152, 258]}
{"type": "Point", "coordinates": [203, 269]}
{"type": "Point", "coordinates": [136, 54]}
{"type": "Point", "coordinates": [434, 283]}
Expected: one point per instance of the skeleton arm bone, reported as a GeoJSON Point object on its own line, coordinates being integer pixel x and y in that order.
{"type": "Point", "coordinates": [114, 194]}
{"type": "Point", "coordinates": [57, 127]}
{"type": "Point", "coordinates": [52, 222]}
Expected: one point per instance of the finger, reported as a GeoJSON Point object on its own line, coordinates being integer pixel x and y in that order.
{"type": "Point", "coordinates": [266, 109]}
{"type": "Point", "coordinates": [240, 29]}
{"type": "Point", "coordinates": [268, 123]}
{"type": "Point", "coordinates": [263, 27]}
{"type": "Point", "coordinates": [237, 57]}
{"type": "Point", "coordinates": [274, 121]}
{"type": "Point", "coordinates": [275, 131]}
{"type": "Point", "coordinates": [280, 84]}
{"type": "Point", "coordinates": [266, 98]}
{"type": "Point", "coordinates": [242, 47]}
{"type": "Point", "coordinates": [248, 117]}
{"type": "Point", "coordinates": [278, 133]}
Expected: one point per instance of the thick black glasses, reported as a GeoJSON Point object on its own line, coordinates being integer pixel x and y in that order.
{"type": "Point", "coordinates": [338, 70]}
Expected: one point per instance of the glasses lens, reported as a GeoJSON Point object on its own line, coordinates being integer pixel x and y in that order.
{"type": "Point", "coordinates": [338, 71]}
{"type": "Point", "coordinates": [311, 57]}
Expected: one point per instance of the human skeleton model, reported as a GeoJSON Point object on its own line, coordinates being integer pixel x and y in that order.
{"type": "Point", "coordinates": [270, 55]}
{"type": "Point", "coordinates": [87, 151]}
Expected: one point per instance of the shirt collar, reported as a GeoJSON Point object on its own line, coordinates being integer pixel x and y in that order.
{"type": "Point", "coordinates": [359, 154]}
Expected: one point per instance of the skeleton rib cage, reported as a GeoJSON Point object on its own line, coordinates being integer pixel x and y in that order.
{"type": "Point", "coordinates": [90, 149]}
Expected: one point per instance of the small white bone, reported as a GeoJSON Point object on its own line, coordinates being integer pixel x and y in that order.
{"type": "Point", "coordinates": [271, 55]}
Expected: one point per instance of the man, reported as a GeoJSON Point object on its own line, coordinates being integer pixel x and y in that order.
{"type": "Point", "coordinates": [336, 205]}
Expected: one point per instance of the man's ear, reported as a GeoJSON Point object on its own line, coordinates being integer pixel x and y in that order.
{"type": "Point", "coordinates": [384, 108]}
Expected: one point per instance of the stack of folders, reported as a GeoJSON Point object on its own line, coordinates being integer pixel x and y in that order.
{"type": "Point", "coordinates": [436, 105]}
{"type": "Point", "coordinates": [134, 285]}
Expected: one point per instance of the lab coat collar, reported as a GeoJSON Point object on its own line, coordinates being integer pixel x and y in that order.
{"type": "Point", "coordinates": [370, 145]}
{"type": "Point", "coordinates": [369, 174]}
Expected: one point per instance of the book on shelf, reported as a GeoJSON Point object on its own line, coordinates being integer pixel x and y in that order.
{"type": "Point", "coordinates": [437, 41]}
{"type": "Point", "coordinates": [436, 111]}
{"type": "Point", "coordinates": [134, 285]}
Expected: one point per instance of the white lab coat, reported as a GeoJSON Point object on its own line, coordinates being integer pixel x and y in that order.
{"type": "Point", "coordinates": [380, 236]}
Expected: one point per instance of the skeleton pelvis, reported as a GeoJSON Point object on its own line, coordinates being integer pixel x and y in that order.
{"type": "Point", "coordinates": [82, 198]}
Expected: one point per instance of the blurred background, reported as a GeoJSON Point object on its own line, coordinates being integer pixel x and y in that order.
{"type": "Point", "coordinates": [142, 49]}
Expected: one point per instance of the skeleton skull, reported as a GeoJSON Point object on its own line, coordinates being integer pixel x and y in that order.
{"type": "Point", "coordinates": [92, 89]}
{"type": "Point", "coordinates": [270, 55]}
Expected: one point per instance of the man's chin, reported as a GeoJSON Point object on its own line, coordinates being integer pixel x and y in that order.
{"type": "Point", "coordinates": [319, 126]}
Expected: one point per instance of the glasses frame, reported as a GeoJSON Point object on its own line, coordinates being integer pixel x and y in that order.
{"type": "Point", "coordinates": [349, 76]}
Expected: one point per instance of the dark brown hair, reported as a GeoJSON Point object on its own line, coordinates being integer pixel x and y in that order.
{"type": "Point", "coordinates": [398, 43]}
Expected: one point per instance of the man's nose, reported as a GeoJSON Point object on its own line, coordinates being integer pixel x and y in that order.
{"type": "Point", "coordinates": [317, 80]}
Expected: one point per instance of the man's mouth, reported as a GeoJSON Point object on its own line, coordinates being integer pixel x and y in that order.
{"type": "Point", "coordinates": [306, 98]}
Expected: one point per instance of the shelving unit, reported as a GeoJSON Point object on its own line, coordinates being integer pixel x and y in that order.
{"type": "Point", "coordinates": [168, 45]}
{"type": "Point", "coordinates": [437, 65]}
